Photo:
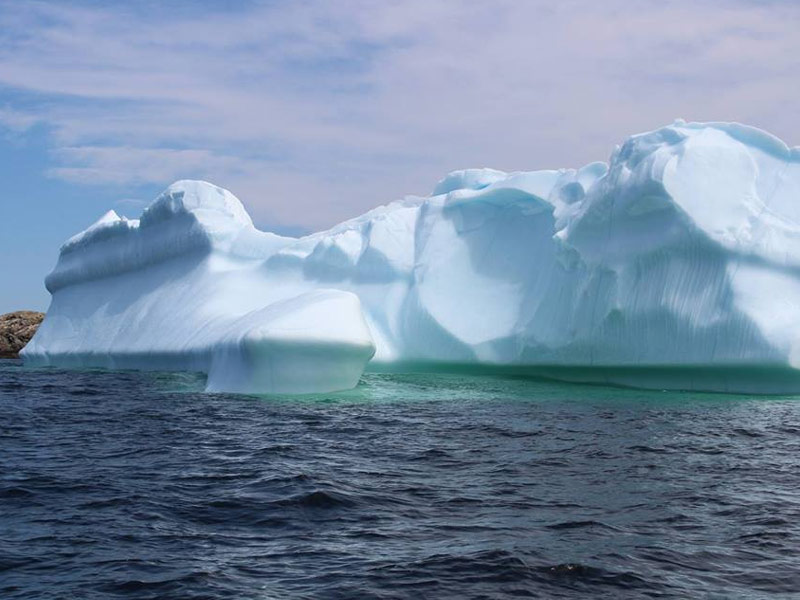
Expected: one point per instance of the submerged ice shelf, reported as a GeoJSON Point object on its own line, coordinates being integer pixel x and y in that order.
{"type": "Point", "coordinates": [675, 265]}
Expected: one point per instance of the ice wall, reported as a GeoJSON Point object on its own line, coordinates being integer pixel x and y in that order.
{"type": "Point", "coordinates": [676, 265]}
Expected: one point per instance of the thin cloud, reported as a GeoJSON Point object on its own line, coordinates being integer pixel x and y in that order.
{"type": "Point", "coordinates": [313, 111]}
{"type": "Point", "coordinates": [17, 121]}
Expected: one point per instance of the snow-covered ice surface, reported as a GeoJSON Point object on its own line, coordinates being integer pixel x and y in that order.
{"type": "Point", "coordinates": [677, 265]}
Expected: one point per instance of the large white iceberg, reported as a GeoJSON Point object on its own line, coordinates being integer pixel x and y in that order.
{"type": "Point", "coordinates": [677, 265]}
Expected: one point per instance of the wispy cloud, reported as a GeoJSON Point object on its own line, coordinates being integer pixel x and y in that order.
{"type": "Point", "coordinates": [312, 111]}
{"type": "Point", "coordinates": [17, 121]}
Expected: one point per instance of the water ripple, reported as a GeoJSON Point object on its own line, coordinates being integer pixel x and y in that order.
{"type": "Point", "coordinates": [135, 485]}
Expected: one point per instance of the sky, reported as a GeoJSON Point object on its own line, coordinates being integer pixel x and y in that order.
{"type": "Point", "coordinates": [313, 111]}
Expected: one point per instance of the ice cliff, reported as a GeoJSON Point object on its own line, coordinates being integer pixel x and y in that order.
{"type": "Point", "coordinates": [677, 264]}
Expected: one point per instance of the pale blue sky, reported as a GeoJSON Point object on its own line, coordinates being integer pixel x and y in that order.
{"type": "Point", "coordinates": [313, 111]}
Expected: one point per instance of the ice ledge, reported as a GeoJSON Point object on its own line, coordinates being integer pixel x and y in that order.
{"type": "Point", "coordinates": [315, 342]}
{"type": "Point", "coordinates": [189, 217]}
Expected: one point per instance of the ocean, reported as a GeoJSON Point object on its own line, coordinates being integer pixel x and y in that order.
{"type": "Point", "coordinates": [139, 485]}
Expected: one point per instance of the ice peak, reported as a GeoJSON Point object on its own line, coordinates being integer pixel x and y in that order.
{"type": "Point", "coordinates": [110, 216]}
{"type": "Point", "coordinates": [205, 200]}
{"type": "Point", "coordinates": [108, 221]}
{"type": "Point", "coordinates": [468, 179]}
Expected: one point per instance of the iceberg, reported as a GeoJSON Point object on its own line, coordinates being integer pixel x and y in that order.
{"type": "Point", "coordinates": [674, 265]}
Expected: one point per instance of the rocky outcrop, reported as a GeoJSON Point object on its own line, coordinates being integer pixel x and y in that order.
{"type": "Point", "coordinates": [16, 330]}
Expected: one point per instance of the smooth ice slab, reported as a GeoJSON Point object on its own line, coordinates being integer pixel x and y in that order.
{"type": "Point", "coordinates": [677, 264]}
{"type": "Point", "coordinates": [315, 342]}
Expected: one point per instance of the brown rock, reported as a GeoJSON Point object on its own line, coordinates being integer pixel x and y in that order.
{"type": "Point", "coordinates": [16, 330]}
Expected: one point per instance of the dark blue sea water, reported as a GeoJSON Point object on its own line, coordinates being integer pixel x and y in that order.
{"type": "Point", "coordinates": [138, 485]}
